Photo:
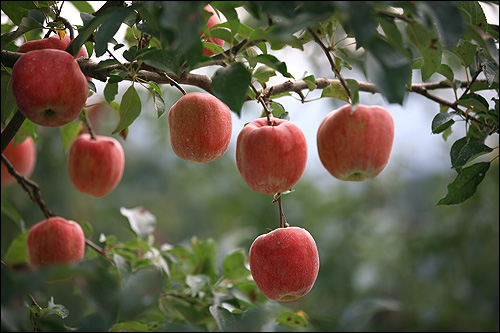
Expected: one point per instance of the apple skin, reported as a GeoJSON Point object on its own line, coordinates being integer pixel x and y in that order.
{"type": "Point", "coordinates": [22, 157]}
{"type": "Point", "coordinates": [200, 127]}
{"type": "Point", "coordinates": [214, 19]}
{"type": "Point", "coordinates": [55, 241]}
{"type": "Point", "coordinates": [271, 159]}
{"type": "Point", "coordinates": [356, 146]}
{"type": "Point", "coordinates": [284, 263]}
{"type": "Point", "coordinates": [53, 42]}
{"type": "Point", "coordinates": [49, 87]}
{"type": "Point", "coordinates": [95, 167]}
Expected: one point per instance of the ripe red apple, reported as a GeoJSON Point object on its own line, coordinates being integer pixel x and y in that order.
{"type": "Point", "coordinates": [22, 157]}
{"type": "Point", "coordinates": [271, 158]}
{"type": "Point", "coordinates": [355, 146]}
{"type": "Point", "coordinates": [284, 263]}
{"type": "Point", "coordinates": [55, 241]}
{"type": "Point", "coordinates": [95, 167]}
{"type": "Point", "coordinates": [49, 87]}
{"type": "Point", "coordinates": [53, 42]}
{"type": "Point", "coordinates": [200, 127]}
{"type": "Point", "coordinates": [214, 19]}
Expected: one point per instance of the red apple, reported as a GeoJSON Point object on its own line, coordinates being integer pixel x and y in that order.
{"type": "Point", "coordinates": [95, 167]}
{"type": "Point", "coordinates": [355, 146]}
{"type": "Point", "coordinates": [214, 19]}
{"type": "Point", "coordinates": [22, 157]}
{"type": "Point", "coordinates": [284, 263]}
{"type": "Point", "coordinates": [49, 87]}
{"type": "Point", "coordinates": [53, 42]}
{"type": "Point", "coordinates": [55, 241]}
{"type": "Point", "coordinates": [200, 127]}
{"type": "Point", "coordinates": [271, 158]}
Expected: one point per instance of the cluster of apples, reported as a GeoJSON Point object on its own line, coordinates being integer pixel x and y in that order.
{"type": "Point", "coordinates": [51, 90]}
{"type": "Point", "coordinates": [271, 156]}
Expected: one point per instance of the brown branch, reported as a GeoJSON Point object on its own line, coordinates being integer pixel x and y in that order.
{"type": "Point", "coordinates": [33, 190]}
{"type": "Point", "coordinates": [11, 129]}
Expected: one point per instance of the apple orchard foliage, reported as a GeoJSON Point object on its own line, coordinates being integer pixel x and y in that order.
{"type": "Point", "coordinates": [166, 41]}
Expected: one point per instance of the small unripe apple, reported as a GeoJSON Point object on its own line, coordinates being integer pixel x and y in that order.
{"type": "Point", "coordinates": [95, 167]}
{"type": "Point", "coordinates": [55, 241]}
{"type": "Point", "coordinates": [284, 263]}
{"type": "Point", "coordinates": [271, 158]}
{"type": "Point", "coordinates": [49, 87]}
{"type": "Point", "coordinates": [200, 127]}
{"type": "Point", "coordinates": [214, 19]}
{"type": "Point", "coordinates": [22, 157]}
{"type": "Point", "coordinates": [355, 146]}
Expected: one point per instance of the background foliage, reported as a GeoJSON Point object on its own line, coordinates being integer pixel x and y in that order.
{"type": "Point", "coordinates": [176, 235]}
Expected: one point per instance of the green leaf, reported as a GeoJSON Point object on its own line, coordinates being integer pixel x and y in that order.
{"type": "Point", "coordinates": [273, 62]}
{"type": "Point", "coordinates": [311, 82]}
{"type": "Point", "coordinates": [109, 27]}
{"type": "Point", "coordinates": [293, 320]}
{"type": "Point", "coordinates": [69, 132]}
{"type": "Point", "coordinates": [159, 104]}
{"type": "Point", "coordinates": [464, 150]}
{"type": "Point", "coordinates": [17, 252]}
{"type": "Point", "coordinates": [466, 51]}
{"type": "Point", "coordinates": [429, 46]}
{"type": "Point", "coordinates": [230, 85]}
{"type": "Point", "coordinates": [475, 101]}
{"type": "Point", "coordinates": [83, 6]}
{"type": "Point", "coordinates": [389, 69]}
{"type": "Point", "coordinates": [17, 10]}
{"type": "Point", "coordinates": [110, 91]}
{"type": "Point", "coordinates": [335, 90]}
{"type": "Point", "coordinates": [447, 18]}
{"type": "Point", "coordinates": [442, 121]}
{"type": "Point", "coordinates": [8, 102]}
{"type": "Point", "coordinates": [130, 109]}
{"type": "Point", "coordinates": [133, 326]}
{"type": "Point", "coordinates": [233, 266]}
{"type": "Point", "coordinates": [222, 317]}
{"type": "Point", "coordinates": [162, 60]}
{"type": "Point", "coordinates": [465, 184]}
{"type": "Point", "coordinates": [263, 73]}
{"type": "Point", "coordinates": [361, 21]}
{"type": "Point", "coordinates": [205, 252]}
{"type": "Point", "coordinates": [9, 210]}
{"type": "Point", "coordinates": [475, 13]}
{"type": "Point", "coordinates": [27, 24]}
{"type": "Point", "coordinates": [354, 88]}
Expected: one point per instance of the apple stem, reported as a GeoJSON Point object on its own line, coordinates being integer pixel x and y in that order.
{"type": "Point", "coordinates": [264, 101]}
{"type": "Point", "coordinates": [89, 126]}
{"type": "Point", "coordinates": [34, 193]}
{"type": "Point", "coordinates": [283, 222]}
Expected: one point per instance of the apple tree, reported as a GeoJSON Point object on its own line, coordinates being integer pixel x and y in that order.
{"type": "Point", "coordinates": [402, 48]}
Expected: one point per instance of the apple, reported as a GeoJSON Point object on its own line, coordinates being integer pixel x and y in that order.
{"type": "Point", "coordinates": [53, 42]}
{"type": "Point", "coordinates": [95, 166]}
{"type": "Point", "coordinates": [271, 158]}
{"type": "Point", "coordinates": [284, 263]}
{"type": "Point", "coordinates": [214, 19]}
{"type": "Point", "coordinates": [55, 241]}
{"type": "Point", "coordinates": [355, 146]}
{"type": "Point", "coordinates": [22, 157]}
{"type": "Point", "coordinates": [200, 127]}
{"type": "Point", "coordinates": [49, 87]}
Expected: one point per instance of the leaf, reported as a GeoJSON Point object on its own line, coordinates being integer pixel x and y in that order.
{"type": "Point", "coordinates": [464, 150]}
{"type": "Point", "coordinates": [109, 27]}
{"type": "Point", "coordinates": [110, 91]}
{"type": "Point", "coordinates": [293, 320]}
{"type": "Point", "coordinates": [429, 46]}
{"type": "Point", "coordinates": [354, 88]}
{"type": "Point", "coordinates": [472, 100]}
{"type": "Point", "coordinates": [465, 184]}
{"type": "Point", "coordinates": [17, 10]}
{"type": "Point", "coordinates": [141, 220]}
{"type": "Point", "coordinates": [222, 317]}
{"type": "Point", "coordinates": [361, 21]}
{"type": "Point", "coordinates": [69, 132]}
{"type": "Point", "coordinates": [448, 19]}
{"type": "Point", "coordinates": [87, 30]}
{"type": "Point", "coordinates": [442, 121]}
{"type": "Point", "coordinates": [27, 24]}
{"type": "Point", "coordinates": [57, 309]}
{"type": "Point", "coordinates": [263, 73]}
{"type": "Point", "coordinates": [233, 266]}
{"type": "Point", "coordinates": [475, 12]}
{"type": "Point", "coordinates": [8, 102]}
{"type": "Point", "coordinates": [130, 108]}
{"type": "Point", "coordinates": [335, 90]}
{"type": "Point", "coordinates": [159, 104]}
{"type": "Point", "coordinates": [83, 6]}
{"type": "Point", "coordinates": [466, 51]}
{"type": "Point", "coordinates": [389, 69]}
{"type": "Point", "coordinates": [311, 82]}
{"type": "Point", "coordinates": [17, 252]}
{"type": "Point", "coordinates": [205, 254]}
{"type": "Point", "coordinates": [273, 62]}
{"type": "Point", "coordinates": [230, 85]}
{"type": "Point", "coordinates": [9, 210]}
